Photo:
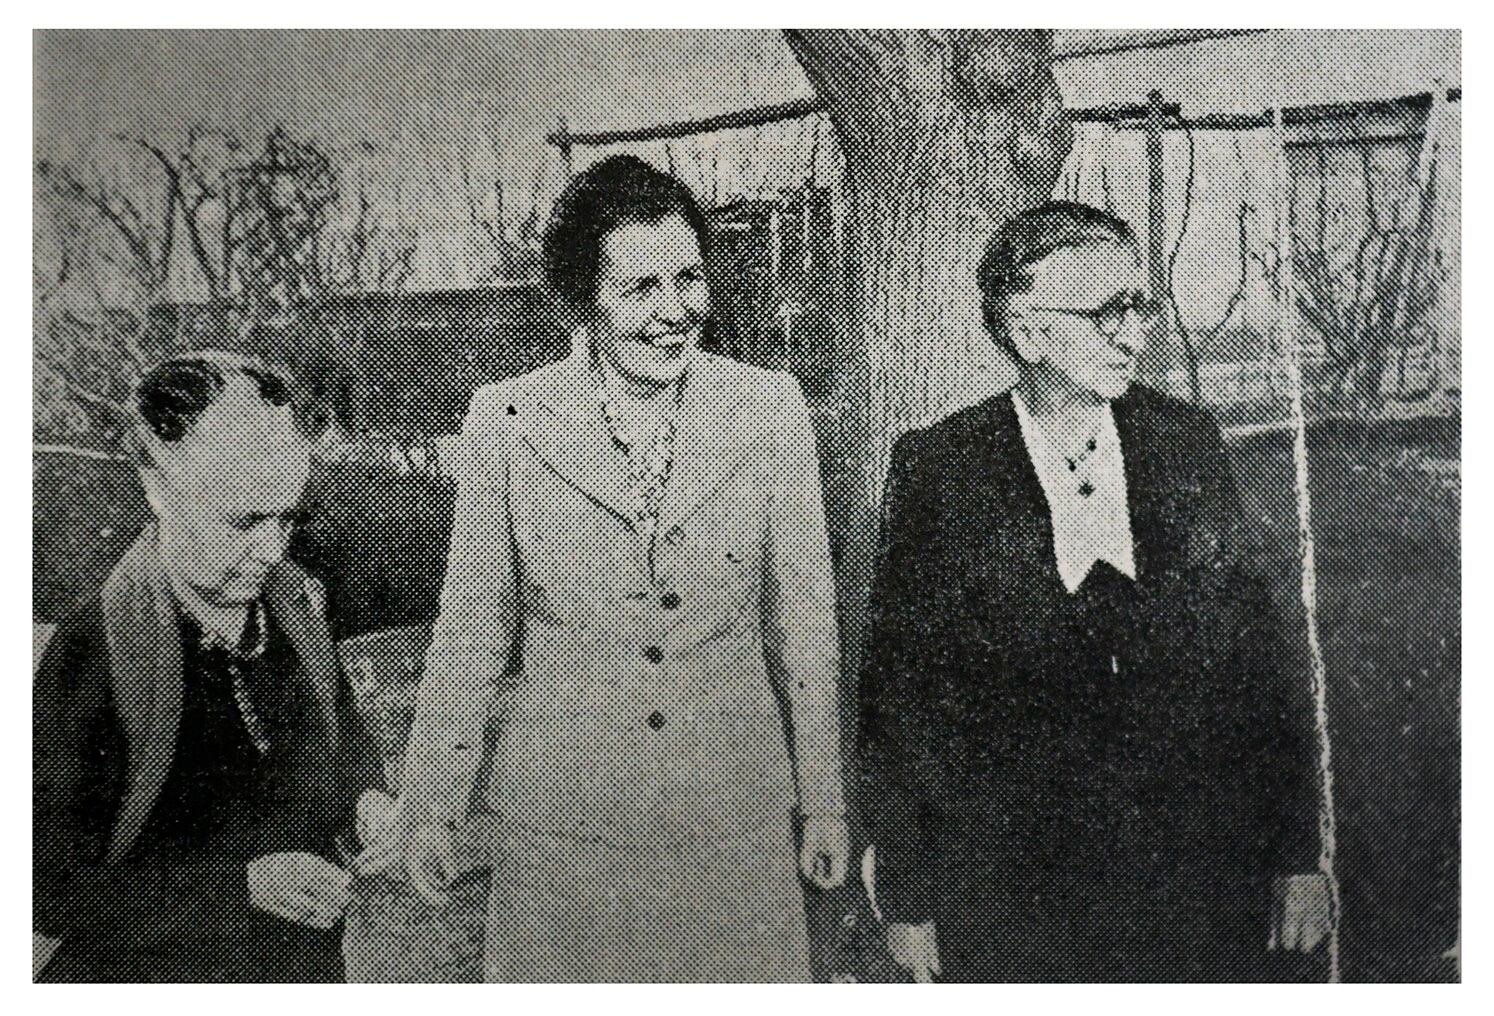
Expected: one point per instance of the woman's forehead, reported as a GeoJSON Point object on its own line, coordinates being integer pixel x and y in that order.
{"type": "Point", "coordinates": [1093, 271]}
{"type": "Point", "coordinates": [266, 480]}
{"type": "Point", "coordinates": [648, 248]}
{"type": "Point", "coordinates": [241, 453]}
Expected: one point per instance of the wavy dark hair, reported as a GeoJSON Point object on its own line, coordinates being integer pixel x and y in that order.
{"type": "Point", "coordinates": [617, 190]}
{"type": "Point", "coordinates": [173, 394]}
{"type": "Point", "coordinates": [1028, 237]}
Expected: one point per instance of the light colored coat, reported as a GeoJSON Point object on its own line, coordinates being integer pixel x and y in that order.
{"type": "Point", "coordinates": [646, 694]}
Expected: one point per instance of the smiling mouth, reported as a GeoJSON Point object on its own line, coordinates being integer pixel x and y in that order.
{"type": "Point", "coordinates": [668, 342]}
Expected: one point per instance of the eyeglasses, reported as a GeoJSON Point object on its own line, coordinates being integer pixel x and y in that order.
{"type": "Point", "coordinates": [1110, 316]}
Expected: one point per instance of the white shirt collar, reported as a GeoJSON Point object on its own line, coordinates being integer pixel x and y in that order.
{"type": "Point", "coordinates": [1087, 527]}
{"type": "Point", "coordinates": [224, 626]}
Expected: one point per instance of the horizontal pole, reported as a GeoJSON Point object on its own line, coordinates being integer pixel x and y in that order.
{"type": "Point", "coordinates": [796, 109]}
{"type": "Point", "coordinates": [1300, 115]}
{"type": "Point", "coordinates": [1359, 142]}
{"type": "Point", "coordinates": [1117, 113]}
{"type": "Point", "coordinates": [758, 116]}
{"type": "Point", "coordinates": [1126, 117]}
{"type": "Point", "coordinates": [76, 452]}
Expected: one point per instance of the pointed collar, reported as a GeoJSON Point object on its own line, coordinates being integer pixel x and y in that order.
{"type": "Point", "coordinates": [1004, 480]}
{"type": "Point", "coordinates": [1152, 478]}
{"type": "Point", "coordinates": [224, 627]}
{"type": "Point", "coordinates": [570, 434]}
{"type": "Point", "coordinates": [713, 435]}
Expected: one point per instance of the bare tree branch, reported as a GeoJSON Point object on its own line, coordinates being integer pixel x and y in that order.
{"type": "Point", "coordinates": [124, 220]}
{"type": "Point", "coordinates": [76, 451]}
{"type": "Point", "coordinates": [84, 394]}
{"type": "Point", "coordinates": [1190, 353]}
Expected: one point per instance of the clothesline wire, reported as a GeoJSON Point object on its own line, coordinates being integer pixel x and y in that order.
{"type": "Point", "coordinates": [1292, 349]}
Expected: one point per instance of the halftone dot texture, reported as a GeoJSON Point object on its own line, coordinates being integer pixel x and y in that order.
{"type": "Point", "coordinates": [365, 208]}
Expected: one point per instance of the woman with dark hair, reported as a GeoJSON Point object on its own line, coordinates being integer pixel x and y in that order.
{"type": "Point", "coordinates": [639, 585]}
{"type": "Point", "coordinates": [1082, 761]}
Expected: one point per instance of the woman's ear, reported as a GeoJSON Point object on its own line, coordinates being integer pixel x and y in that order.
{"type": "Point", "coordinates": [1025, 340]}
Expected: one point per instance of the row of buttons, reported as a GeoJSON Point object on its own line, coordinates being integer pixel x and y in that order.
{"type": "Point", "coordinates": [655, 655]}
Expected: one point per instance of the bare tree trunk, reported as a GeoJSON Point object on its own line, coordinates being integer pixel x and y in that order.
{"type": "Point", "coordinates": [945, 134]}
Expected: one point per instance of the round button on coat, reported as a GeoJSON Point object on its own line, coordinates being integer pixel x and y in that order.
{"type": "Point", "coordinates": [654, 654]}
{"type": "Point", "coordinates": [656, 719]}
{"type": "Point", "coordinates": [670, 601]}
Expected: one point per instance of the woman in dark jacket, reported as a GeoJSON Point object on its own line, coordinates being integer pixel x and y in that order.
{"type": "Point", "coordinates": [1081, 760]}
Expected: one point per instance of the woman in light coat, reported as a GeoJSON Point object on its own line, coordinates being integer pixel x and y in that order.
{"type": "Point", "coordinates": [639, 579]}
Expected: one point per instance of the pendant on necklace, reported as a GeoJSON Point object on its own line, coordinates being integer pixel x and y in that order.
{"type": "Point", "coordinates": [1073, 461]}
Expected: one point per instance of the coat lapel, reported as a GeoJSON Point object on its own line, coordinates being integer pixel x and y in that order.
{"type": "Point", "coordinates": [568, 432]}
{"type": "Point", "coordinates": [1153, 485]}
{"type": "Point", "coordinates": [143, 633]}
{"type": "Point", "coordinates": [713, 435]}
{"type": "Point", "coordinates": [1004, 483]}
{"type": "Point", "coordinates": [145, 669]}
{"type": "Point", "coordinates": [296, 605]}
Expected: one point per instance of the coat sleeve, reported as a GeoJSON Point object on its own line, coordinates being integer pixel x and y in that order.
{"type": "Point", "coordinates": [78, 763]}
{"type": "Point", "coordinates": [801, 636]}
{"type": "Point", "coordinates": [902, 654]}
{"type": "Point", "coordinates": [1281, 740]}
{"type": "Point", "coordinates": [474, 633]}
{"type": "Point", "coordinates": [356, 768]}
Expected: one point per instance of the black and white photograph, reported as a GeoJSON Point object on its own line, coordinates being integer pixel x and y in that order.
{"type": "Point", "coordinates": [736, 506]}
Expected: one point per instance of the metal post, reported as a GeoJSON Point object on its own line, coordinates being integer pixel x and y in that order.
{"type": "Point", "coordinates": [1155, 219]}
{"type": "Point", "coordinates": [1291, 346]}
{"type": "Point", "coordinates": [775, 246]}
{"type": "Point", "coordinates": [775, 252]}
{"type": "Point", "coordinates": [562, 140]}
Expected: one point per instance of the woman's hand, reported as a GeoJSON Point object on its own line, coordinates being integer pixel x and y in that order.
{"type": "Point", "coordinates": [1301, 913]}
{"type": "Point", "coordinates": [430, 861]}
{"type": "Point", "coordinates": [827, 844]}
{"type": "Point", "coordinates": [426, 852]}
{"type": "Point", "coordinates": [915, 948]}
{"type": "Point", "coordinates": [381, 833]}
{"type": "Point", "coordinates": [299, 887]}
{"type": "Point", "coordinates": [377, 810]}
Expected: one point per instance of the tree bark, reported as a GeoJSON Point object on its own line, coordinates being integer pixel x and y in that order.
{"type": "Point", "coordinates": [945, 135]}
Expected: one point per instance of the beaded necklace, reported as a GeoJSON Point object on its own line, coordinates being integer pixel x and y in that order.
{"type": "Point", "coordinates": [649, 461]}
{"type": "Point", "coordinates": [250, 648]}
{"type": "Point", "coordinates": [1048, 435]}
{"type": "Point", "coordinates": [1085, 487]}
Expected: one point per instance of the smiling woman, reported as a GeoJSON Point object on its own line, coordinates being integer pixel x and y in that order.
{"type": "Point", "coordinates": [651, 299]}
{"type": "Point", "coordinates": [639, 566]}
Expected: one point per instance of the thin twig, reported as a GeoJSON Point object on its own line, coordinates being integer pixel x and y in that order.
{"type": "Point", "coordinates": [77, 452]}
{"type": "Point", "coordinates": [1190, 354]}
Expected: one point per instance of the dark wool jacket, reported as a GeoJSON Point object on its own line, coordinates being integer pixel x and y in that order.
{"type": "Point", "coordinates": [1127, 761]}
{"type": "Point", "coordinates": [107, 707]}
